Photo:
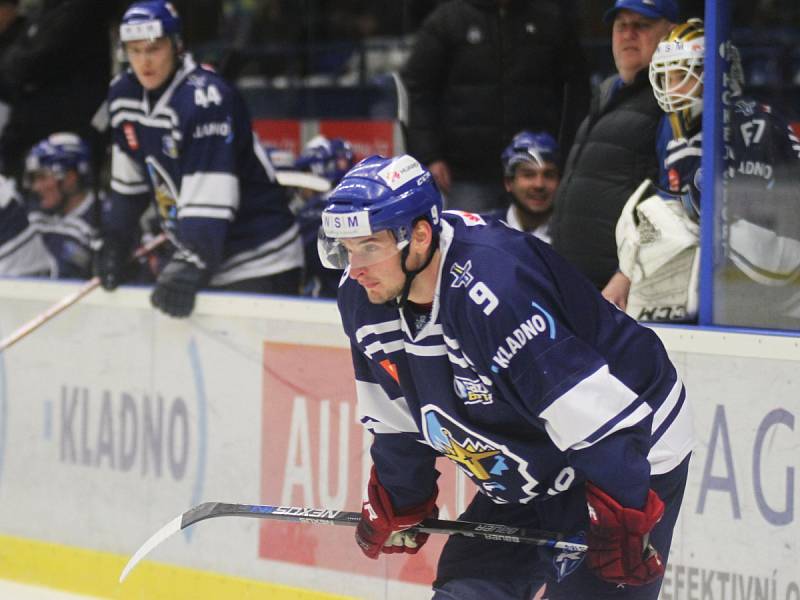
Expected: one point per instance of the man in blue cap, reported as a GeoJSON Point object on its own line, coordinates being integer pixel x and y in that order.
{"type": "Point", "coordinates": [614, 150]}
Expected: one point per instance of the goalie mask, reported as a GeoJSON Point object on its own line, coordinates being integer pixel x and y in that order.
{"type": "Point", "coordinates": [676, 76]}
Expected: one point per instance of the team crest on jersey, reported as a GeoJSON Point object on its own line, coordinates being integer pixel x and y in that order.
{"type": "Point", "coordinates": [472, 391]}
{"type": "Point", "coordinates": [196, 80]}
{"type": "Point", "coordinates": [169, 146]}
{"type": "Point", "coordinates": [501, 474]}
{"type": "Point", "coordinates": [461, 275]}
{"type": "Point", "coordinates": [166, 193]}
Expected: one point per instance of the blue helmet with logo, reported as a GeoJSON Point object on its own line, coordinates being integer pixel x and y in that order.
{"type": "Point", "coordinates": [378, 194]}
{"type": "Point", "coordinates": [527, 146]}
{"type": "Point", "coordinates": [330, 159]}
{"type": "Point", "coordinates": [60, 153]}
{"type": "Point", "coordinates": [150, 20]}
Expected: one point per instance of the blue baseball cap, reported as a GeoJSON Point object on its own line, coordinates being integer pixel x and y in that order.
{"type": "Point", "coordinates": [653, 9]}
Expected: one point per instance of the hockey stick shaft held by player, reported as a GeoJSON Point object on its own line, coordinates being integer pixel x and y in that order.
{"type": "Point", "coordinates": [326, 516]}
{"type": "Point", "coordinates": [71, 299]}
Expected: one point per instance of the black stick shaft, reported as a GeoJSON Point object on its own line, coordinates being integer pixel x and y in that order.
{"type": "Point", "coordinates": [326, 516]}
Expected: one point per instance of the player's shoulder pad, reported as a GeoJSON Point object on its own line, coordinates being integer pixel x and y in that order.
{"type": "Point", "coordinates": [483, 264]}
{"type": "Point", "coordinates": [125, 85]}
{"type": "Point", "coordinates": [203, 91]}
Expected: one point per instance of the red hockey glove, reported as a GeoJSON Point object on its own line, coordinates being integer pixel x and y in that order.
{"type": "Point", "coordinates": [619, 546]}
{"type": "Point", "coordinates": [381, 529]}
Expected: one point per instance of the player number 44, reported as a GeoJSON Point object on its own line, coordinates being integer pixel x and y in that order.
{"type": "Point", "coordinates": [210, 95]}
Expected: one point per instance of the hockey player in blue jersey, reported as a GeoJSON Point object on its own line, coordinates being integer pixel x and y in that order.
{"type": "Point", "coordinates": [479, 343]}
{"type": "Point", "coordinates": [329, 159]}
{"type": "Point", "coordinates": [22, 251]}
{"type": "Point", "coordinates": [182, 137]}
{"type": "Point", "coordinates": [65, 209]}
{"type": "Point", "coordinates": [761, 218]}
{"type": "Point", "coordinates": [531, 177]}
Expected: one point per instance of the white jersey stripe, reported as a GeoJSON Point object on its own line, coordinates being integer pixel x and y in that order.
{"type": "Point", "coordinates": [381, 413]}
{"type": "Point", "coordinates": [377, 329]}
{"type": "Point", "coordinates": [419, 350]}
{"type": "Point", "coordinates": [672, 447]}
{"type": "Point", "coordinates": [209, 189]}
{"type": "Point", "coordinates": [586, 407]}
{"type": "Point", "coordinates": [667, 405]}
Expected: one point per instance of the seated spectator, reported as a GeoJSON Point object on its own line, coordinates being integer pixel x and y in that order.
{"type": "Point", "coordinates": [761, 202]}
{"type": "Point", "coordinates": [22, 251]}
{"type": "Point", "coordinates": [531, 177]}
{"type": "Point", "coordinates": [329, 159]}
{"type": "Point", "coordinates": [183, 139]}
{"type": "Point", "coordinates": [59, 179]}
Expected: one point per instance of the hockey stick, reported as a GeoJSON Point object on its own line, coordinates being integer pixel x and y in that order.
{"type": "Point", "coordinates": [72, 298]}
{"type": "Point", "coordinates": [301, 179]}
{"type": "Point", "coordinates": [327, 516]}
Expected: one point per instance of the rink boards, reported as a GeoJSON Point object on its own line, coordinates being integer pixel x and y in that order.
{"type": "Point", "coordinates": [115, 419]}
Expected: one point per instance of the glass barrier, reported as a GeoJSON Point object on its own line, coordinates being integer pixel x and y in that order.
{"type": "Point", "coordinates": [757, 264]}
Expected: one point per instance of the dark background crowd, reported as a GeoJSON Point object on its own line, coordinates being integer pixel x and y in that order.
{"type": "Point", "coordinates": [314, 59]}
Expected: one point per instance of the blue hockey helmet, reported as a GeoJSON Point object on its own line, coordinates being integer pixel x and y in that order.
{"type": "Point", "coordinates": [328, 158]}
{"type": "Point", "coordinates": [527, 146]}
{"type": "Point", "coordinates": [60, 153]}
{"type": "Point", "coordinates": [150, 20]}
{"type": "Point", "coordinates": [378, 194]}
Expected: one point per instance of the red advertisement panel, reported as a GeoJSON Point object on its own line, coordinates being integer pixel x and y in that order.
{"type": "Point", "coordinates": [283, 134]}
{"type": "Point", "coordinates": [315, 454]}
{"type": "Point", "coordinates": [367, 137]}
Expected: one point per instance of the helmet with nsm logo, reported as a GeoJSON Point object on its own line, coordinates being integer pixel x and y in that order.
{"type": "Point", "coordinates": [380, 194]}
{"type": "Point", "coordinates": [150, 20]}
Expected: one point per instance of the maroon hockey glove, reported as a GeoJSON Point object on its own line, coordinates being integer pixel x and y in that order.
{"type": "Point", "coordinates": [619, 546]}
{"type": "Point", "coordinates": [381, 529]}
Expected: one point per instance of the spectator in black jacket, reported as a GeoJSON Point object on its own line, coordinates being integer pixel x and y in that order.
{"type": "Point", "coordinates": [58, 72]}
{"type": "Point", "coordinates": [615, 148]}
{"type": "Point", "coordinates": [479, 72]}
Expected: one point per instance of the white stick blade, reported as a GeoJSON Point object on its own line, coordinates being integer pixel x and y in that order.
{"type": "Point", "coordinates": [159, 536]}
{"type": "Point", "coordinates": [301, 179]}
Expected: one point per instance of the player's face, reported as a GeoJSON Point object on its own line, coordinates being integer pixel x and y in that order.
{"type": "Point", "coordinates": [681, 84]}
{"type": "Point", "coordinates": [634, 38]}
{"type": "Point", "coordinates": [47, 189]}
{"type": "Point", "coordinates": [534, 186]}
{"type": "Point", "coordinates": [375, 265]}
{"type": "Point", "coordinates": [152, 62]}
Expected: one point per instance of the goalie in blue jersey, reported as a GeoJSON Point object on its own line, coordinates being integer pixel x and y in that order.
{"type": "Point", "coordinates": [182, 139]}
{"type": "Point", "coordinates": [479, 343]}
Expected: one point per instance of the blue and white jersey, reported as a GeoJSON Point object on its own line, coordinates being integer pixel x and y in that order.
{"type": "Point", "coordinates": [523, 375]}
{"type": "Point", "coordinates": [69, 237]}
{"type": "Point", "coordinates": [509, 217]}
{"type": "Point", "coordinates": [22, 251]}
{"type": "Point", "coordinates": [191, 149]}
{"type": "Point", "coordinates": [761, 223]}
